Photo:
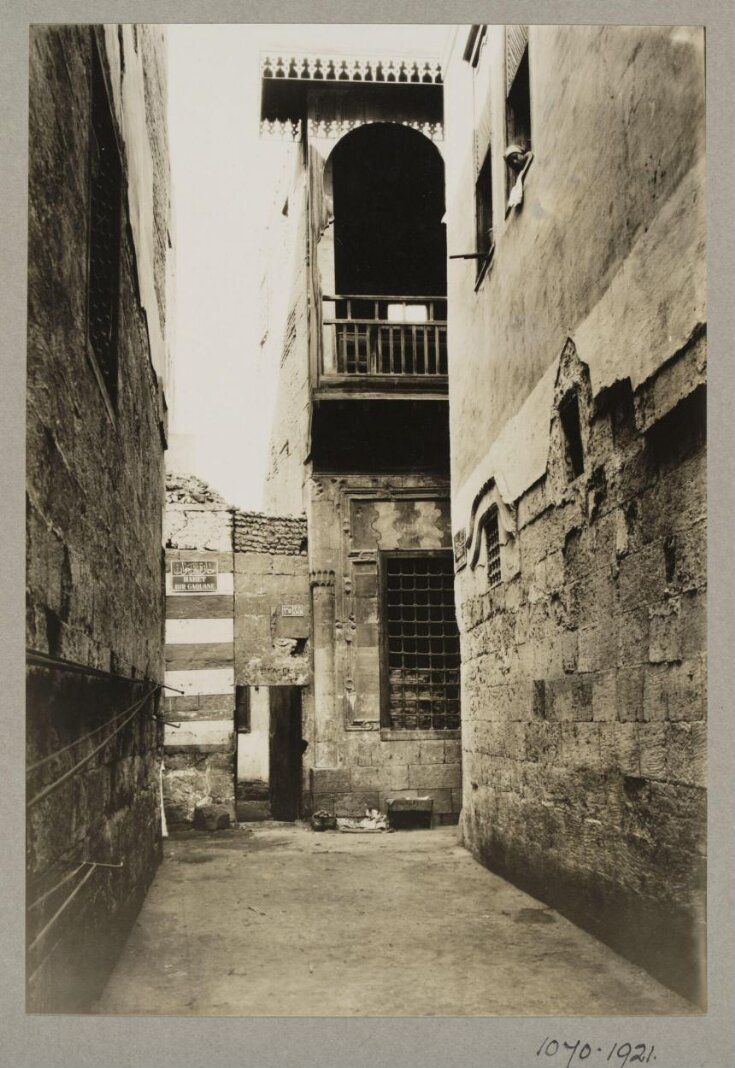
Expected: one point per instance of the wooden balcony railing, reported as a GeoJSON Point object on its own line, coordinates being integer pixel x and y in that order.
{"type": "Point", "coordinates": [384, 336]}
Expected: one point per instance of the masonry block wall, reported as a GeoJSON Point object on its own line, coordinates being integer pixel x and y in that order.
{"type": "Point", "coordinates": [272, 638]}
{"type": "Point", "coordinates": [584, 673]}
{"type": "Point", "coordinates": [356, 760]}
{"type": "Point", "coordinates": [368, 465]}
{"type": "Point", "coordinates": [199, 753]}
{"type": "Point", "coordinates": [95, 482]}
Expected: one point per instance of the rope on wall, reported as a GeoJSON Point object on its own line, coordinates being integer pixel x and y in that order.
{"type": "Point", "coordinates": [62, 908]}
{"type": "Point", "coordinates": [62, 882]}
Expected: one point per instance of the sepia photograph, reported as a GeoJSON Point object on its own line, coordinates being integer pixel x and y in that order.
{"type": "Point", "coordinates": [367, 523]}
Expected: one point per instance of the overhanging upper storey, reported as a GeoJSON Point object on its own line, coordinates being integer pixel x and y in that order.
{"type": "Point", "coordinates": [371, 130]}
{"type": "Point", "coordinates": [328, 95]}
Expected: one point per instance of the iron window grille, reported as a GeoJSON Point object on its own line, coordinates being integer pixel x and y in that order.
{"type": "Point", "coordinates": [492, 548]}
{"type": "Point", "coordinates": [420, 642]}
{"type": "Point", "coordinates": [104, 231]}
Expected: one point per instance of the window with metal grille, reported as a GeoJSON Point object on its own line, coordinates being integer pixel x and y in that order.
{"type": "Point", "coordinates": [492, 548]}
{"type": "Point", "coordinates": [420, 642]}
{"type": "Point", "coordinates": [104, 231]}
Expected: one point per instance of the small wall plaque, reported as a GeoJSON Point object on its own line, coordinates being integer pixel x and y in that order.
{"type": "Point", "coordinates": [194, 576]}
{"type": "Point", "coordinates": [460, 549]}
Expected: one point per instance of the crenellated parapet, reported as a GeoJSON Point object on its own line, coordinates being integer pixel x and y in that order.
{"type": "Point", "coordinates": [393, 70]}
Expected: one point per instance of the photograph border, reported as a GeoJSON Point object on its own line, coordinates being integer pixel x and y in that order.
{"type": "Point", "coordinates": [78, 1041]}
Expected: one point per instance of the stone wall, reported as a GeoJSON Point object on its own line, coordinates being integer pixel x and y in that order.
{"type": "Point", "coordinates": [199, 753]}
{"type": "Point", "coordinates": [355, 761]}
{"type": "Point", "coordinates": [584, 675]}
{"type": "Point", "coordinates": [228, 644]}
{"type": "Point", "coordinates": [584, 697]}
{"type": "Point", "coordinates": [272, 637]}
{"type": "Point", "coordinates": [94, 492]}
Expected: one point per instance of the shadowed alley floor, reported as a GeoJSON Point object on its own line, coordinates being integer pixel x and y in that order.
{"type": "Point", "coordinates": [275, 920]}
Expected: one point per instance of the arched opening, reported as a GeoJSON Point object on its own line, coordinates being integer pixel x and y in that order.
{"type": "Point", "coordinates": [390, 278]}
{"type": "Point", "coordinates": [388, 185]}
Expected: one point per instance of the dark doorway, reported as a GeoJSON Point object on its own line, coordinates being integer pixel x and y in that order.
{"type": "Point", "coordinates": [285, 752]}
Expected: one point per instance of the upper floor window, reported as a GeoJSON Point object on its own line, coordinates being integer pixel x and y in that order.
{"type": "Point", "coordinates": [407, 313]}
{"type": "Point", "coordinates": [104, 231]}
{"type": "Point", "coordinates": [476, 41]}
{"type": "Point", "coordinates": [492, 548]}
{"type": "Point", "coordinates": [571, 426]}
{"type": "Point", "coordinates": [484, 241]}
{"type": "Point", "coordinates": [517, 102]}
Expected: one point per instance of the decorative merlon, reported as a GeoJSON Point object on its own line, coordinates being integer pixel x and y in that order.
{"type": "Point", "coordinates": [352, 69]}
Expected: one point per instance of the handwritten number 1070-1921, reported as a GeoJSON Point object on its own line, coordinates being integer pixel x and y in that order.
{"type": "Point", "coordinates": [620, 1054]}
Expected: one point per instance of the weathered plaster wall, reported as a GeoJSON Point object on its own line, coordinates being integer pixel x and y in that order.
{"type": "Point", "coordinates": [606, 222]}
{"type": "Point", "coordinates": [584, 678]}
{"type": "Point", "coordinates": [94, 491]}
{"type": "Point", "coordinates": [199, 755]}
{"type": "Point", "coordinates": [286, 340]}
{"type": "Point", "coordinates": [353, 763]}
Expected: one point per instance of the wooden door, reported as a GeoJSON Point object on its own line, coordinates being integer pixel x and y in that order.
{"type": "Point", "coordinates": [285, 752]}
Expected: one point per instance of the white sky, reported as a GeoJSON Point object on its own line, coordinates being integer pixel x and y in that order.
{"type": "Point", "coordinates": [223, 175]}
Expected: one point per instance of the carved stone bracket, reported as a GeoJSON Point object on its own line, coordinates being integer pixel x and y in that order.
{"type": "Point", "coordinates": [321, 578]}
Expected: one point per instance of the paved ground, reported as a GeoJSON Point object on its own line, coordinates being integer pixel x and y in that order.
{"type": "Point", "coordinates": [279, 921]}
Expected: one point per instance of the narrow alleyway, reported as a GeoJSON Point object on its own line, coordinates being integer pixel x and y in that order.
{"type": "Point", "coordinates": [275, 920]}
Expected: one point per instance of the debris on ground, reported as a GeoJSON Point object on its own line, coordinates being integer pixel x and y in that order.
{"type": "Point", "coordinates": [372, 821]}
{"type": "Point", "coordinates": [323, 821]}
{"type": "Point", "coordinates": [211, 818]}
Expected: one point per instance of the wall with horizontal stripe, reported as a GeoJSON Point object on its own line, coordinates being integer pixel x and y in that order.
{"type": "Point", "coordinates": [193, 630]}
{"type": "Point", "coordinates": [224, 585]}
{"type": "Point", "coordinates": [212, 734]}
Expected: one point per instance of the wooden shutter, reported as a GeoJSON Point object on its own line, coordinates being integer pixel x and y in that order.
{"type": "Point", "coordinates": [516, 42]}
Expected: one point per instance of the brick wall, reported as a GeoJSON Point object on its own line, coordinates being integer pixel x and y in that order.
{"type": "Point", "coordinates": [94, 490]}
